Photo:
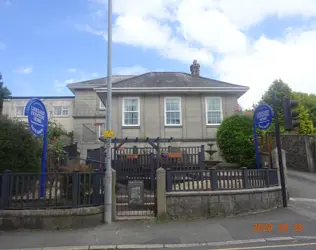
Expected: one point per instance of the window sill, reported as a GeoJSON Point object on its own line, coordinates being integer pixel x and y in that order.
{"type": "Point", "coordinates": [131, 127]}
{"type": "Point", "coordinates": [173, 126]}
{"type": "Point", "coordinates": [213, 126]}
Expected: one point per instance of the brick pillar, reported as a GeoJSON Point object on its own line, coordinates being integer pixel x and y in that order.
{"type": "Point", "coordinates": [161, 193]}
{"type": "Point", "coordinates": [113, 195]}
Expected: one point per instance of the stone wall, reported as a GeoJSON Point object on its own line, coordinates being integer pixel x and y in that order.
{"type": "Point", "coordinates": [208, 204]}
{"type": "Point", "coordinates": [51, 219]}
{"type": "Point", "coordinates": [295, 148]}
{"type": "Point", "coordinates": [300, 151]}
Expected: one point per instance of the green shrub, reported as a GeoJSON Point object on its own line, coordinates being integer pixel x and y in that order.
{"type": "Point", "coordinates": [20, 151]}
{"type": "Point", "coordinates": [233, 140]}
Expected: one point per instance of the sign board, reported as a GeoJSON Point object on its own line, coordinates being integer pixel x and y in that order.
{"type": "Point", "coordinates": [135, 193]}
{"type": "Point", "coordinates": [263, 116]}
{"type": "Point", "coordinates": [262, 119]}
{"type": "Point", "coordinates": [108, 133]}
{"type": "Point", "coordinates": [175, 155]}
{"type": "Point", "coordinates": [37, 116]}
{"type": "Point", "coordinates": [38, 121]}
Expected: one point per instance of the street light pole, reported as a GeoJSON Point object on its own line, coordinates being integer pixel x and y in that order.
{"type": "Point", "coordinates": [108, 172]}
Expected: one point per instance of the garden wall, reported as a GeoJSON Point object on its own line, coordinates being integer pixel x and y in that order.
{"type": "Point", "coordinates": [300, 152]}
{"type": "Point", "coordinates": [51, 218]}
{"type": "Point", "coordinates": [207, 204]}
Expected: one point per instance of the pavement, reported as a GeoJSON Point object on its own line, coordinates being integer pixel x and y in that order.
{"type": "Point", "coordinates": [240, 232]}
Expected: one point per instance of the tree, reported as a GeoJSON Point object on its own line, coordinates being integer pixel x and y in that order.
{"type": "Point", "coordinates": [309, 102]}
{"type": "Point", "coordinates": [55, 145]}
{"type": "Point", "coordinates": [20, 150]}
{"type": "Point", "coordinates": [233, 139]}
{"type": "Point", "coordinates": [306, 127]}
{"type": "Point", "coordinates": [283, 91]}
{"type": "Point", "coordinates": [4, 94]}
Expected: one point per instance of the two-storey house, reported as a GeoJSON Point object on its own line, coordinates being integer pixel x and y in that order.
{"type": "Point", "coordinates": [184, 106]}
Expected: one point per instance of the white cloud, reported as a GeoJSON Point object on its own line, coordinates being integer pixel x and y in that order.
{"type": "Point", "coordinates": [23, 70]}
{"type": "Point", "coordinates": [89, 29]}
{"type": "Point", "coordinates": [72, 70]}
{"type": "Point", "coordinates": [3, 46]}
{"type": "Point", "coordinates": [185, 30]}
{"type": "Point", "coordinates": [59, 85]}
{"type": "Point", "coordinates": [291, 59]}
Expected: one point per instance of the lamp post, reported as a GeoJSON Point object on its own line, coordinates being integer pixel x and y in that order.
{"type": "Point", "coordinates": [108, 172]}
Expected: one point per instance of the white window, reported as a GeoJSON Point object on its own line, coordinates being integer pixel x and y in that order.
{"type": "Point", "coordinates": [214, 114]}
{"type": "Point", "coordinates": [131, 114]}
{"type": "Point", "coordinates": [61, 111]}
{"type": "Point", "coordinates": [19, 110]}
{"type": "Point", "coordinates": [173, 111]}
{"type": "Point", "coordinates": [101, 129]}
{"type": "Point", "coordinates": [101, 105]}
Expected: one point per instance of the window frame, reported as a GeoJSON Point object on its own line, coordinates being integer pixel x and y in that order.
{"type": "Point", "coordinates": [101, 105]}
{"type": "Point", "coordinates": [165, 111]}
{"type": "Point", "coordinates": [99, 129]}
{"type": "Point", "coordinates": [206, 109]}
{"type": "Point", "coordinates": [19, 106]}
{"type": "Point", "coordinates": [62, 109]}
{"type": "Point", "coordinates": [123, 111]}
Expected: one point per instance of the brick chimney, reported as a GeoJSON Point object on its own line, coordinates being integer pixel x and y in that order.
{"type": "Point", "coordinates": [195, 68]}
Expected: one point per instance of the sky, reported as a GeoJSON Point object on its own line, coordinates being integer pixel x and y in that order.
{"type": "Point", "coordinates": [44, 45]}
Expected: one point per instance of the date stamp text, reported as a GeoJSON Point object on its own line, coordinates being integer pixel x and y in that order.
{"type": "Point", "coordinates": [281, 228]}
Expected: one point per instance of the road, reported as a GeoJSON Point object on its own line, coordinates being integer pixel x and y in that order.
{"type": "Point", "coordinates": [303, 194]}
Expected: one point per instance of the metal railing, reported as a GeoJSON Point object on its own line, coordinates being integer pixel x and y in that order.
{"type": "Point", "coordinates": [206, 180]}
{"type": "Point", "coordinates": [61, 190]}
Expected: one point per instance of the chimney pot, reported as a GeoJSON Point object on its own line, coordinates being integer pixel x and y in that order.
{"type": "Point", "coordinates": [195, 68]}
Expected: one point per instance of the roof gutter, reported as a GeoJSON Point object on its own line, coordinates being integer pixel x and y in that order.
{"type": "Point", "coordinates": [172, 89]}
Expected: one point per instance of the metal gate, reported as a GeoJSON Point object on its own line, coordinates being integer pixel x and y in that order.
{"type": "Point", "coordinates": [135, 185]}
{"type": "Point", "coordinates": [136, 171]}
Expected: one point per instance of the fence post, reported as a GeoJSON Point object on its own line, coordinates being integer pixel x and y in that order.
{"type": "Point", "coordinates": [201, 158]}
{"type": "Point", "coordinates": [135, 150]}
{"type": "Point", "coordinates": [75, 188]}
{"type": "Point", "coordinates": [202, 154]}
{"type": "Point", "coordinates": [88, 160]}
{"type": "Point", "coordinates": [113, 195]}
{"type": "Point", "coordinates": [5, 189]}
{"type": "Point", "coordinates": [153, 170]}
{"type": "Point", "coordinates": [168, 180]}
{"type": "Point", "coordinates": [213, 179]}
{"type": "Point", "coordinates": [161, 193]}
{"type": "Point", "coordinates": [266, 177]}
{"type": "Point", "coordinates": [96, 187]}
{"type": "Point", "coordinates": [245, 177]}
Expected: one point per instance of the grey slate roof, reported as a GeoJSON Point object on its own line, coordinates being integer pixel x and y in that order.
{"type": "Point", "coordinates": [99, 81]}
{"type": "Point", "coordinates": [154, 79]}
{"type": "Point", "coordinates": [170, 79]}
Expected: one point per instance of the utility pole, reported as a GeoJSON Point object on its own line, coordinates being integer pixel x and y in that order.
{"type": "Point", "coordinates": [108, 172]}
{"type": "Point", "coordinates": [278, 144]}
